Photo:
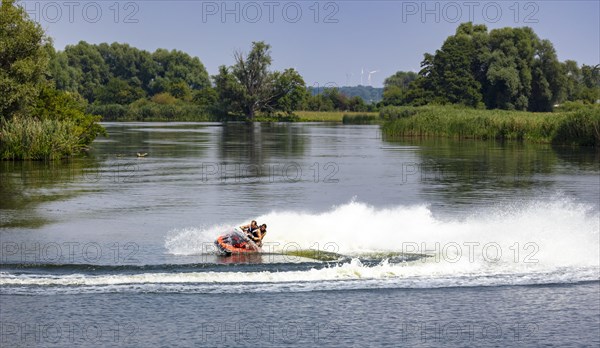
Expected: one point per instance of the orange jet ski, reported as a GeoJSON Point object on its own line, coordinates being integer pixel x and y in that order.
{"type": "Point", "coordinates": [236, 242]}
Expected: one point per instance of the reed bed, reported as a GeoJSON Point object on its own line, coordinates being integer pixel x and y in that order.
{"type": "Point", "coordinates": [33, 139]}
{"type": "Point", "coordinates": [580, 127]}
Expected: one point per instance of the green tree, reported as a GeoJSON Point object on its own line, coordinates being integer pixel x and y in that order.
{"type": "Point", "coordinates": [573, 79]}
{"type": "Point", "coordinates": [421, 90]}
{"type": "Point", "coordinates": [229, 91]}
{"type": "Point", "coordinates": [205, 97]}
{"type": "Point", "coordinates": [180, 90]}
{"type": "Point", "coordinates": [455, 82]}
{"type": "Point", "coordinates": [176, 66]}
{"type": "Point", "coordinates": [357, 103]}
{"type": "Point", "coordinates": [317, 103]}
{"type": "Point", "coordinates": [253, 75]}
{"type": "Point", "coordinates": [400, 79]}
{"type": "Point", "coordinates": [590, 84]}
{"type": "Point", "coordinates": [507, 68]}
{"type": "Point", "coordinates": [65, 77]}
{"type": "Point", "coordinates": [395, 87]}
{"type": "Point", "coordinates": [339, 100]}
{"type": "Point", "coordinates": [131, 64]}
{"type": "Point", "coordinates": [548, 79]}
{"type": "Point", "coordinates": [248, 86]}
{"type": "Point", "coordinates": [590, 76]}
{"type": "Point", "coordinates": [118, 91]}
{"type": "Point", "coordinates": [69, 107]}
{"type": "Point", "coordinates": [509, 74]}
{"type": "Point", "coordinates": [95, 72]}
{"type": "Point", "coordinates": [23, 59]}
{"type": "Point", "coordinates": [289, 91]}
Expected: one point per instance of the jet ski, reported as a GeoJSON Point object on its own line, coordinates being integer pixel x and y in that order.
{"type": "Point", "coordinates": [236, 242]}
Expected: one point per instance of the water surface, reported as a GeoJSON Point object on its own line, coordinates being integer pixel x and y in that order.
{"type": "Point", "coordinates": [491, 223]}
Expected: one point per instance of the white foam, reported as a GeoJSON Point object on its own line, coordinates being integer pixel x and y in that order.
{"type": "Point", "coordinates": [352, 275]}
{"type": "Point", "coordinates": [553, 233]}
{"type": "Point", "coordinates": [555, 241]}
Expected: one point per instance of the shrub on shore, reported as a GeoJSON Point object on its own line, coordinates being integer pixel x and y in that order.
{"type": "Point", "coordinates": [32, 139]}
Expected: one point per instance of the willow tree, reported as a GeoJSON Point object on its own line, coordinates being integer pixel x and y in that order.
{"type": "Point", "coordinates": [249, 86]}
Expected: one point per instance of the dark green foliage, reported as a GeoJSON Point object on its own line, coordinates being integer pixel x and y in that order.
{"type": "Point", "coordinates": [38, 121]}
{"type": "Point", "coordinates": [120, 74]}
{"type": "Point", "coordinates": [506, 68]}
{"type": "Point", "coordinates": [93, 72]}
{"type": "Point", "coordinates": [24, 53]}
{"type": "Point", "coordinates": [150, 110]}
{"type": "Point", "coordinates": [583, 83]}
{"type": "Point", "coordinates": [289, 91]}
{"type": "Point", "coordinates": [317, 102]}
{"type": "Point", "coordinates": [53, 104]}
{"type": "Point", "coordinates": [118, 91]}
{"type": "Point", "coordinates": [206, 97]}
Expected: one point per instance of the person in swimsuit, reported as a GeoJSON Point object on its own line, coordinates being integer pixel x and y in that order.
{"type": "Point", "coordinates": [258, 235]}
{"type": "Point", "coordinates": [250, 228]}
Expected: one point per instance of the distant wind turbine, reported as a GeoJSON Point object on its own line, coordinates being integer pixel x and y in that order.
{"type": "Point", "coordinates": [369, 78]}
{"type": "Point", "coordinates": [362, 72]}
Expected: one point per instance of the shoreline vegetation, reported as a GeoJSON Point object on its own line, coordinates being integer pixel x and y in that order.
{"type": "Point", "coordinates": [580, 127]}
{"type": "Point", "coordinates": [573, 125]}
{"type": "Point", "coordinates": [51, 102]}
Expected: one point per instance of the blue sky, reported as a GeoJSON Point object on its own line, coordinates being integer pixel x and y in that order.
{"type": "Point", "coordinates": [328, 42]}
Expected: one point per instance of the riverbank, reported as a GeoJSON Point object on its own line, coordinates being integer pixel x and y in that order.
{"type": "Point", "coordinates": [579, 127]}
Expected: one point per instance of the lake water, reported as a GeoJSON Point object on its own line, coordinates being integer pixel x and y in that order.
{"type": "Point", "coordinates": [434, 242]}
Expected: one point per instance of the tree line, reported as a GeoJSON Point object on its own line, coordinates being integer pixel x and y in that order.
{"type": "Point", "coordinates": [507, 68]}
{"type": "Point", "coordinates": [117, 79]}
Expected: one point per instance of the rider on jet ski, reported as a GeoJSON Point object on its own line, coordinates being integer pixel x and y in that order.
{"type": "Point", "coordinates": [254, 232]}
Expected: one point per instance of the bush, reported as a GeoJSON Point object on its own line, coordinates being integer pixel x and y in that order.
{"type": "Point", "coordinates": [164, 99]}
{"type": "Point", "coordinates": [109, 112]}
{"type": "Point", "coordinates": [575, 106]}
{"type": "Point", "coordinates": [146, 110]}
{"type": "Point", "coordinates": [33, 139]}
{"type": "Point", "coordinates": [579, 128]}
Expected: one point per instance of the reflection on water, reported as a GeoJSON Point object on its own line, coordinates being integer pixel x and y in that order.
{"type": "Point", "coordinates": [464, 172]}
{"type": "Point", "coordinates": [24, 185]}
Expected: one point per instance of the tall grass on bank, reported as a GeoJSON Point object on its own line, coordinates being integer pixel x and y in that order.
{"type": "Point", "coordinates": [360, 119]}
{"type": "Point", "coordinates": [329, 116]}
{"type": "Point", "coordinates": [581, 127]}
{"type": "Point", "coordinates": [33, 139]}
{"type": "Point", "coordinates": [150, 111]}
